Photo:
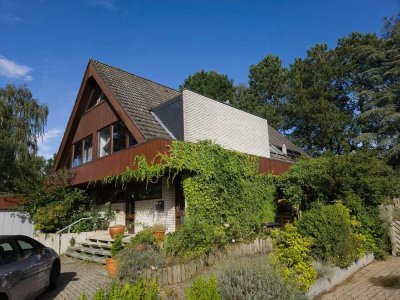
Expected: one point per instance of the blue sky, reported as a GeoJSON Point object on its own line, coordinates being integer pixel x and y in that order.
{"type": "Point", "coordinates": [46, 44]}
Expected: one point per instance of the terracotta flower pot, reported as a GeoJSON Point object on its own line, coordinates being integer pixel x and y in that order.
{"type": "Point", "coordinates": [114, 230]}
{"type": "Point", "coordinates": [159, 235]}
{"type": "Point", "coordinates": [112, 267]}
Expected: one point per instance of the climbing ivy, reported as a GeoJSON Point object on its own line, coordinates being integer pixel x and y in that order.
{"type": "Point", "coordinates": [227, 200]}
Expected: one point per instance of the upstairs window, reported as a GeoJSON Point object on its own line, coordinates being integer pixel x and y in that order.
{"type": "Point", "coordinates": [87, 149]}
{"type": "Point", "coordinates": [131, 140]}
{"type": "Point", "coordinates": [114, 138]}
{"type": "Point", "coordinates": [77, 159]}
{"type": "Point", "coordinates": [83, 151]}
{"type": "Point", "coordinates": [119, 136]}
{"type": "Point", "coordinates": [104, 142]}
{"type": "Point", "coordinates": [96, 96]}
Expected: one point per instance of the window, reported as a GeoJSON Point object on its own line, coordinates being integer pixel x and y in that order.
{"type": "Point", "coordinates": [87, 149]}
{"type": "Point", "coordinates": [8, 253]}
{"type": "Point", "coordinates": [96, 96]}
{"type": "Point", "coordinates": [119, 136]}
{"type": "Point", "coordinates": [131, 140]}
{"type": "Point", "coordinates": [145, 191]}
{"type": "Point", "coordinates": [28, 249]}
{"type": "Point", "coordinates": [77, 161]}
{"type": "Point", "coordinates": [104, 142]}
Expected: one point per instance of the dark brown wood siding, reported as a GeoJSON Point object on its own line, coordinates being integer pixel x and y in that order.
{"type": "Point", "coordinates": [117, 162]}
{"type": "Point", "coordinates": [272, 166]}
{"type": "Point", "coordinates": [95, 119]}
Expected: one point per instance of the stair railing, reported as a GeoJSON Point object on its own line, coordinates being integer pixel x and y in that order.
{"type": "Point", "coordinates": [69, 229]}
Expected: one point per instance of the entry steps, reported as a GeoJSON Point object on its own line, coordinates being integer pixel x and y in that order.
{"type": "Point", "coordinates": [96, 248]}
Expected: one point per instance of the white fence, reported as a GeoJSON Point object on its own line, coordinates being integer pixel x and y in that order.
{"type": "Point", "coordinates": [15, 222]}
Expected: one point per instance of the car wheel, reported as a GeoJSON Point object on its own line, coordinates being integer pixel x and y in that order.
{"type": "Point", "coordinates": [3, 296]}
{"type": "Point", "coordinates": [54, 274]}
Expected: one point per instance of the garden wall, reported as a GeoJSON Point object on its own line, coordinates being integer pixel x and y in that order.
{"type": "Point", "coordinates": [338, 276]}
{"type": "Point", "coordinates": [182, 272]}
{"type": "Point", "coordinates": [60, 242]}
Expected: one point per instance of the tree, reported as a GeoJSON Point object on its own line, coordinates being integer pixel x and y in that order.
{"type": "Point", "coordinates": [210, 84]}
{"type": "Point", "coordinates": [22, 121]}
{"type": "Point", "coordinates": [267, 81]}
{"type": "Point", "coordinates": [318, 115]}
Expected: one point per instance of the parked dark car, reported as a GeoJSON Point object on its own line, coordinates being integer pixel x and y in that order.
{"type": "Point", "coordinates": [27, 267]}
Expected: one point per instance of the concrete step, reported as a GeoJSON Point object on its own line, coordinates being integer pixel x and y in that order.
{"type": "Point", "coordinates": [86, 257]}
{"type": "Point", "coordinates": [91, 251]}
{"type": "Point", "coordinates": [96, 245]}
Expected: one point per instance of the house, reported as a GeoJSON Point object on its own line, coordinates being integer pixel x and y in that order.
{"type": "Point", "coordinates": [12, 220]}
{"type": "Point", "coordinates": [118, 115]}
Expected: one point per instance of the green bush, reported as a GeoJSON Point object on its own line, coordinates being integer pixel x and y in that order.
{"type": "Point", "coordinates": [144, 237]}
{"type": "Point", "coordinates": [291, 256]}
{"type": "Point", "coordinates": [67, 206]}
{"type": "Point", "coordinates": [132, 263]}
{"type": "Point", "coordinates": [332, 231]}
{"type": "Point", "coordinates": [141, 290]}
{"type": "Point", "coordinates": [117, 245]}
{"type": "Point", "coordinates": [331, 177]}
{"type": "Point", "coordinates": [254, 280]}
{"type": "Point", "coordinates": [203, 289]}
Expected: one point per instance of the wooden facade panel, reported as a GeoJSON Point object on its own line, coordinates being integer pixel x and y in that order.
{"type": "Point", "coordinates": [117, 162]}
{"type": "Point", "coordinates": [272, 166]}
{"type": "Point", "coordinates": [97, 118]}
{"type": "Point", "coordinates": [8, 202]}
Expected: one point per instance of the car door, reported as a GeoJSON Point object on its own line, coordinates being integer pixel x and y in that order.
{"type": "Point", "coordinates": [38, 263]}
{"type": "Point", "coordinates": [14, 276]}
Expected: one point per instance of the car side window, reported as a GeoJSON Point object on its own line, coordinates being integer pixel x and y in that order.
{"type": "Point", "coordinates": [28, 248]}
{"type": "Point", "coordinates": [8, 253]}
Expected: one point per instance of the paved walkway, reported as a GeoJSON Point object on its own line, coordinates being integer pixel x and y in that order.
{"type": "Point", "coordinates": [379, 281]}
{"type": "Point", "coordinates": [77, 277]}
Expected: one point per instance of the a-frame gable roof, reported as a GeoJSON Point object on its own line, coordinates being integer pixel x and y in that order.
{"type": "Point", "coordinates": [137, 96]}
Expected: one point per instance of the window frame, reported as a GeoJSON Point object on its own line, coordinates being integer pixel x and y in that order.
{"type": "Point", "coordinates": [82, 142]}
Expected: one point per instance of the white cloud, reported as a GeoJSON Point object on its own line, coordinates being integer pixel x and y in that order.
{"type": "Point", "coordinates": [48, 144]}
{"type": "Point", "coordinates": [11, 69]}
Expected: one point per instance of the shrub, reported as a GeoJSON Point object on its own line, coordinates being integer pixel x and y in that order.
{"type": "Point", "coordinates": [291, 256]}
{"type": "Point", "coordinates": [141, 290]}
{"type": "Point", "coordinates": [67, 206]}
{"type": "Point", "coordinates": [132, 263]}
{"type": "Point", "coordinates": [331, 177]}
{"type": "Point", "coordinates": [331, 228]}
{"type": "Point", "coordinates": [254, 280]}
{"type": "Point", "coordinates": [144, 237]}
{"type": "Point", "coordinates": [117, 245]}
{"type": "Point", "coordinates": [203, 289]}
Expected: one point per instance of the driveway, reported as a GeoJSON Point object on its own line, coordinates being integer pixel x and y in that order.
{"type": "Point", "coordinates": [77, 277]}
{"type": "Point", "coordinates": [379, 280]}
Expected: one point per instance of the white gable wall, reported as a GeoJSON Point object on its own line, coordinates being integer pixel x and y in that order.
{"type": "Point", "coordinates": [227, 126]}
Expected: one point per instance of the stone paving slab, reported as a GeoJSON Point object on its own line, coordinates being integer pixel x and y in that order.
{"type": "Point", "coordinates": [379, 280]}
{"type": "Point", "coordinates": [77, 277]}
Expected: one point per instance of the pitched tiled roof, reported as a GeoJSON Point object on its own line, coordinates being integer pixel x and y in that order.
{"type": "Point", "coordinates": [137, 96]}
{"type": "Point", "coordinates": [277, 139]}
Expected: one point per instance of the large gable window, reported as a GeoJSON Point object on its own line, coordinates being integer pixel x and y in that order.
{"type": "Point", "coordinates": [96, 96]}
{"type": "Point", "coordinates": [104, 142]}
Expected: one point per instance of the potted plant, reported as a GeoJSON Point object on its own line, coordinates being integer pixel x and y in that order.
{"type": "Point", "coordinates": [116, 229]}
{"type": "Point", "coordinates": [158, 232]}
{"type": "Point", "coordinates": [112, 263]}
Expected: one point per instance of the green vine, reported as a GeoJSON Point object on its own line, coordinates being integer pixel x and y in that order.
{"type": "Point", "coordinates": [227, 200]}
